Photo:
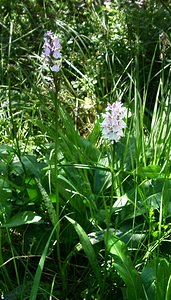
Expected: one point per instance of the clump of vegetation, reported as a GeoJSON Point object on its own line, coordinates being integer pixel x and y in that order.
{"type": "Point", "coordinates": [85, 150]}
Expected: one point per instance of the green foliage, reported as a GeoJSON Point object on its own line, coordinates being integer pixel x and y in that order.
{"type": "Point", "coordinates": [36, 282]}
{"type": "Point", "coordinates": [57, 171]}
{"type": "Point", "coordinates": [125, 268]}
{"type": "Point", "coordinates": [87, 246]}
{"type": "Point", "coordinates": [156, 278]}
{"type": "Point", "coordinates": [26, 217]}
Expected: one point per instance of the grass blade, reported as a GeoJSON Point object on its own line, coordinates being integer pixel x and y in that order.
{"type": "Point", "coordinates": [36, 282]}
{"type": "Point", "coordinates": [88, 249]}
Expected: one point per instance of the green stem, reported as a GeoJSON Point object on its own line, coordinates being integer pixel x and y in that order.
{"type": "Point", "coordinates": [56, 82]}
{"type": "Point", "coordinates": [56, 178]}
{"type": "Point", "coordinates": [57, 87]}
{"type": "Point", "coordinates": [109, 212]}
{"type": "Point", "coordinates": [112, 175]}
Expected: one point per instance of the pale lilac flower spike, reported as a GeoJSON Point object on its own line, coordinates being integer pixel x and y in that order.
{"type": "Point", "coordinates": [51, 55]}
{"type": "Point", "coordinates": [113, 124]}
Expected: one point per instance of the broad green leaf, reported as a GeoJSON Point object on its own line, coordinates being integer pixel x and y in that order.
{"type": "Point", "coordinates": [31, 164]}
{"type": "Point", "coordinates": [124, 267]}
{"type": "Point", "coordinates": [156, 277]}
{"type": "Point", "coordinates": [163, 279]}
{"type": "Point", "coordinates": [22, 218]}
{"type": "Point", "coordinates": [148, 277]}
{"type": "Point", "coordinates": [150, 171]}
